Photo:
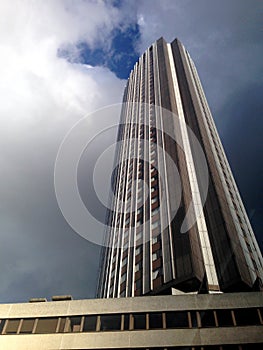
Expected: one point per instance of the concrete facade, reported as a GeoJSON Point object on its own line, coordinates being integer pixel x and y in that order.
{"type": "Point", "coordinates": [172, 336]}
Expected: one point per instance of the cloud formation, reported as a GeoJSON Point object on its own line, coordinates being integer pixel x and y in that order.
{"type": "Point", "coordinates": [43, 94]}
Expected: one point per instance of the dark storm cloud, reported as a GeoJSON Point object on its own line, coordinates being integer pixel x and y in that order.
{"type": "Point", "coordinates": [242, 137]}
{"type": "Point", "coordinates": [40, 255]}
{"type": "Point", "coordinates": [223, 37]}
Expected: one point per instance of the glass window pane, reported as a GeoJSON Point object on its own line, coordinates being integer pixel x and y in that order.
{"type": "Point", "coordinates": [123, 277]}
{"type": "Point", "coordinates": [46, 325]}
{"type": "Point", "coordinates": [27, 326]}
{"type": "Point", "coordinates": [250, 347]}
{"type": "Point", "coordinates": [224, 318]}
{"type": "Point", "coordinates": [138, 250]}
{"type": "Point", "coordinates": [154, 256]}
{"type": "Point", "coordinates": [110, 322]}
{"type": "Point", "coordinates": [90, 323]}
{"type": "Point", "coordinates": [193, 319]}
{"type": "Point", "coordinates": [157, 273]}
{"type": "Point", "coordinates": [154, 239]}
{"type": "Point", "coordinates": [246, 317]}
{"type": "Point", "coordinates": [62, 325]}
{"type": "Point", "coordinates": [207, 318]}
{"type": "Point", "coordinates": [126, 321]}
{"type": "Point", "coordinates": [12, 326]}
{"type": "Point", "coordinates": [139, 321]}
{"type": "Point", "coordinates": [155, 320]}
{"type": "Point", "coordinates": [178, 319]}
{"type": "Point", "coordinates": [138, 284]}
{"type": "Point", "coordinates": [74, 324]}
{"type": "Point", "coordinates": [2, 323]}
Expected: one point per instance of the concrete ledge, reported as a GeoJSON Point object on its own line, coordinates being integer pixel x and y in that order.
{"type": "Point", "coordinates": [137, 304]}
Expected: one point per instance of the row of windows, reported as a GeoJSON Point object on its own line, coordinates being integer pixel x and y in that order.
{"type": "Point", "coordinates": [138, 251]}
{"type": "Point", "coordinates": [135, 321]}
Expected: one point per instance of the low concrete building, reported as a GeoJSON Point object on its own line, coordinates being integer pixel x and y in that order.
{"type": "Point", "coordinates": [204, 321]}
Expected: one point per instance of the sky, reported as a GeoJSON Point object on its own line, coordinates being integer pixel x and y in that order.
{"type": "Point", "coordinates": [61, 60]}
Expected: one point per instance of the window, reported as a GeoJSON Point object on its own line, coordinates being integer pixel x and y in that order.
{"type": "Point", "coordinates": [207, 318]}
{"type": "Point", "coordinates": [154, 239]}
{"type": "Point", "coordinates": [155, 211]}
{"type": "Point", "coordinates": [138, 250]}
{"type": "Point", "coordinates": [90, 323]}
{"type": "Point", "coordinates": [157, 273]}
{"type": "Point", "coordinates": [2, 323]}
{"type": "Point", "coordinates": [126, 321]}
{"type": "Point", "coordinates": [111, 289]}
{"type": "Point", "coordinates": [177, 319]}
{"type": "Point", "coordinates": [194, 319]}
{"type": "Point", "coordinates": [27, 326]}
{"type": "Point", "coordinates": [224, 318]}
{"type": "Point", "coordinates": [74, 324]}
{"type": "Point", "coordinates": [154, 256]}
{"type": "Point", "coordinates": [123, 277]}
{"type": "Point", "coordinates": [139, 235]}
{"type": "Point", "coordinates": [139, 321]}
{"type": "Point", "coordinates": [110, 322]}
{"type": "Point", "coordinates": [154, 200]}
{"type": "Point", "coordinates": [124, 261]}
{"type": "Point", "coordinates": [46, 325]}
{"type": "Point", "coordinates": [138, 266]}
{"type": "Point", "coordinates": [138, 284]}
{"type": "Point", "coordinates": [155, 320]}
{"type": "Point", "coordinates": [12, 326]}
{"type": "Point", "coordinates": [139, 211]}
{"type": "Point", "coordinates": [62, 324]}
{"type": "Point", "coordinates": [245, 317]}
{"type": "Point", "coordinates": [155, 224]}
{"type": "Point", "coordinates": [138, 223]}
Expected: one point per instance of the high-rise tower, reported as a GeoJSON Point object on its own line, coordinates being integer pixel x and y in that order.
{"type": "Point", "coordinates": [199, 239]}
{"type": "Point", "coordinates": [176, 223]}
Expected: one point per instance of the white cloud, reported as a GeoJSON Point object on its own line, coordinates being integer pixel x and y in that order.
{"type": "Point", "coordinates": [31, 73]}
{"type": "Point", "coordinates": [39, 91]}
{"type": "Point", "coordinates": [42, 96]}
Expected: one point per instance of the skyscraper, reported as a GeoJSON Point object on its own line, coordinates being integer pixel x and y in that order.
{"type": "Point", "coordinates": [176, 225]}
{"type": "Point", "coordinates": [177, 219]}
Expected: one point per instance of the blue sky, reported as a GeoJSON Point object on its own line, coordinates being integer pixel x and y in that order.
{"type": "Point", "coordinates": [119, 57]}
{"type": "Point", "coordinates": [63, 59]}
